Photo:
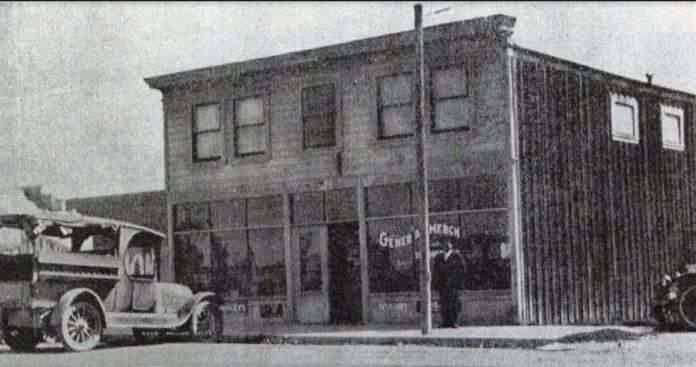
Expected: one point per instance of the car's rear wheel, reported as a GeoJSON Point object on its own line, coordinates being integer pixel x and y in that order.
{"type": "Point", "coordinates": [206, 323]}
{"type": "Point", "coordinates": [21, 340]}
{"type": "Point", "coordinates": [81, 327]}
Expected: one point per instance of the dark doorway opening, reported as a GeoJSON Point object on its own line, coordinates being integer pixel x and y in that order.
{"type": "Point", "coordinates": [345, 292]}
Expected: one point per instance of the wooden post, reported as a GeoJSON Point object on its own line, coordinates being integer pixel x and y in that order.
{"type": "Point", "coordinates": [422, 178]}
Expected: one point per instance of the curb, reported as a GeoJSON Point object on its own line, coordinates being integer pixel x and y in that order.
{"type": "Point", "coordinates": [602, 335]}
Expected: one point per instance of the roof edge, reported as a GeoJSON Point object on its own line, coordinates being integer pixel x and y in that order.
{"type": "Point", "coordinates": [587, 68]}
{"type": "Point", "coordinates": [494, 26]}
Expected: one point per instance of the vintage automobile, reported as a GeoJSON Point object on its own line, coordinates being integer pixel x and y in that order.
{"type": "Point", "coordinates": [674, 304]}
{"type": "Point", "coordinates": [68, 276]}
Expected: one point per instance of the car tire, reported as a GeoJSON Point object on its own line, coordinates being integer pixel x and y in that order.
{"type": "Point", "coordinates": [81, 327]}
{"type": "Point", "coordinates": [21, 340]}
{"type": "Point", "coordinates": [687, 307]}
{"type": "Point", "coordinates": [206, 323]}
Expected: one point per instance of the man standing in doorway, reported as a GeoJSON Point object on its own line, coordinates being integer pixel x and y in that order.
{"type": "Point", "coordinates": [447, 280]}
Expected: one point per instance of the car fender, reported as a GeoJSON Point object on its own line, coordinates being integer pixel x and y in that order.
{"type": "Point", "coordinates": [69, 297]}
{"type": "Point", "coordinates": [197, 298]}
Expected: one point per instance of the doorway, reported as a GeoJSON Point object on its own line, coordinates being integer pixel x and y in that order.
{"type": "Point", "coordinates": [345, 291]}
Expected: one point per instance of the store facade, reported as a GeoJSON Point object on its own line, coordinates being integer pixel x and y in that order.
{"type": "Point", "coordinates": [290, 182]}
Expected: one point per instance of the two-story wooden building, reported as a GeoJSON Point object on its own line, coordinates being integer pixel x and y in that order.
{"type": "Point", "coordinates": [290, 181]}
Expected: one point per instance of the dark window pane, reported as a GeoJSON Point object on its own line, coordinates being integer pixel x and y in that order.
{"type": "Point", "coordinates": [193, 261]}
{"type": "Point", "coordinates": [267, 258]}
{"type": "Point", "coordinates": [341, 204]}
{"type": "Point", "coordinates": [228, 214]}
{"type": "Point", "coordinates": [265, 211]}
{"type": "Point", "coordinates": [191, 216]}
{"type": "Point", "coordinates": [308, 207]}
{"type": "Point", "coordinates": [319, 133]}
{"type": "Point", "coordinates": [443, 195]}
{"type": "Point", "coordinates": [481, 192]}
{"type": "Point", "coordinates": [486, 250]}
{"type": "Point", "coordinates": [450, 82]}
{"type": "Point", "coordinates": [388, 200]}
{"type": "Point", "coordinates": [318, 116]}
{"type": "Point", "coordinates": [231, 264]}
{"type": "Point", "coordinates": [391, 255]}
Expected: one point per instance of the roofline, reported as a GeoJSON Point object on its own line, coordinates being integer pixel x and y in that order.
{"type": "Point", "coordinates": [493, 26]}
{"type": "Point", "coordinates": [589, 69]}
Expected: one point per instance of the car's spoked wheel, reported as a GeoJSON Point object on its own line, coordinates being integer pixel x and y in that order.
{"type": "Point", "coordinates": [21, 340]}
{"type": "Point", "coordinates": [81, 327]}
{"type": "Point", "coordinates": [687, 307]}
{"type": "Point", "coordinates": [206, 323]}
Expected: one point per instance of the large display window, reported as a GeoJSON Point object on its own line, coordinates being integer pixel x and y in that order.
{"type": "Point", "coordinates": [241, 255]}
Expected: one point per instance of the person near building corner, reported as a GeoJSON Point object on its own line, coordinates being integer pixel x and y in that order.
{"type": "Point", "coordinates": [447, 280]}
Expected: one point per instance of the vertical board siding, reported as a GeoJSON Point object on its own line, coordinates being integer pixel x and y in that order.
{"type": "Point", "coordinates": [602, 220]}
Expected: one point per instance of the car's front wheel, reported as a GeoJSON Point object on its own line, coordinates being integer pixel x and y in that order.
{"type": "Point", "coordinates": [21, 340]}
{"type": "Point", "coordinates": [206, 323]}
{"type": "Point", "coordinates": [81, 327]}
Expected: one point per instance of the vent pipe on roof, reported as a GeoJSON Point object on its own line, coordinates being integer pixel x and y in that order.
{"type": "Point", "coordinates": [649, 76]}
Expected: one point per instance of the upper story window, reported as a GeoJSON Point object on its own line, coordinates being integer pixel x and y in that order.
{"type": "Point", "coordinates": [319, 116]}
{"type": "Point", "coordinates": [672, 121]}
{"type": "Point", "coordinates": [451, 107]}
{"type": "Point", "coordinates": [624, 118]}
{"type": "Point", "coordinates": [207, 132]}
{"type": "Point", "coordinates": [249, 126]}
{"type": "Point", "coordinates": [395, 106]}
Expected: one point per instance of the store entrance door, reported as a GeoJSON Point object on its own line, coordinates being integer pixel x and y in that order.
{"type": "Point", "coordinates": [310, 274]}
{"type": "Point", "coordinates": [345, 300]}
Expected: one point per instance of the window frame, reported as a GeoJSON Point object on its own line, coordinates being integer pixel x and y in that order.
{"type": "Point", "coordinates": [263, 124]}
{"type": "Point", "coordinates": [675, 111]}
{"type": "Point", "coordinates": [630, 101]}
{"type": "Point", "coordinates": [195, 133]}
{"type": "Point", "coordinates": [381, 106]}
{"type": "Point", "coordinates": [433, 99]}
{"type": "Point", "coordinates": [334, 115]}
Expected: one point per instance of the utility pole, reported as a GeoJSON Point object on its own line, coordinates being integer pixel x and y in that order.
{"type": "Point", "coordinates": [422, 179]}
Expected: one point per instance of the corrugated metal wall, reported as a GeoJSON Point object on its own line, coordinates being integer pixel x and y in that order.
{"type": "Point", "coordinates": [602, 220]}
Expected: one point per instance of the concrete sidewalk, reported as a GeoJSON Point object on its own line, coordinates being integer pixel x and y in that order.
{"type": "Point", "coordinates": [468, 337]}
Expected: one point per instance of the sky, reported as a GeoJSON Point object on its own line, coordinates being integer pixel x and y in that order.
{"type": "Point", "coordinates": [78, 119]}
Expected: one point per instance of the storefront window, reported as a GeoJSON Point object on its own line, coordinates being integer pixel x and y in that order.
{"type": "Point", "coordinates": [391, 255]}
{"type": "Point", "coordinates": [267, 259]}
{"type": "Point", "coordinates": [389, 200]}
{"type": "Point", "coordinates": [310, 262]}
{"type": "Point", "coordinates": [341, 204]}
{"type": "Point", "coordinates": [193, 261]}
{"type": "Point", "coordinates": [265, 211]}
{"type": "Point", "coordinates": [228, 214]}
{"type": "Point", "coordinates": [443, 195]}
{"type": "Point", "coordinates": [485, 248]}
{"type": "Point", "coordinates": [232, 267]}
{"type": "Point", "coordinates": [308, 207]}
{"type": "Point", "coordinates": [486, 191]}
{"type": "Point", "coordinates": [191, 216]}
